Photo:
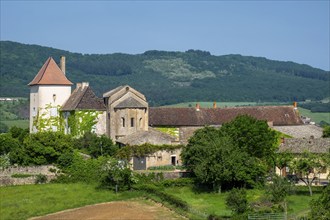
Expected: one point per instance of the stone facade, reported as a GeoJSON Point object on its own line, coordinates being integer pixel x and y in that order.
{"type": "Point", "coordinates": [7, 179]}
{"type": "Point", "coordinates": [127, 112]}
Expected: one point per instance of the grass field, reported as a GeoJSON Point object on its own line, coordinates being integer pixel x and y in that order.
{"type": "Point", "coordinates": [213, 203]}
{"type": "Point", "coordinates": [315, 116]}
{"type": "Point", "coordinates": [22, 202]}
{"type": "Point", "coordinates": [18, 123]}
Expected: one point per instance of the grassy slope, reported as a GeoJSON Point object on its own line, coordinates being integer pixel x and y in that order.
{"type": "Point", "coordinates": [213, 203]}
{"type": "Point", "coordinates": [22, 202]}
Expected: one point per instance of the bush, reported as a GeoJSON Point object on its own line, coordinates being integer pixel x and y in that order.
{"type": "Point", "coordinates": [237, 201]}
{"type": "Point", "coordinates": [278, 189]}
{"type": "Point", "coordinates": [146, 178]}
{"type": "Point", "coordinates": [166, 167]}
{"type": "Point", "coordinates": [117, 176]}
{"type": "Point", "coordinates": [177, 182]}
{"type": "Point", "coordinates": [320, 208]}
{"type": "Point", "coordinates": [21, 175]}
{"type": "Point", "coordinates": [80, 170]}
{"type": "Point", "coordinates": [40, 178]}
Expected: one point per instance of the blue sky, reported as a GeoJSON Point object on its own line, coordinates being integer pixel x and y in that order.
{"type": "Point", "coordinates": [281, 30]}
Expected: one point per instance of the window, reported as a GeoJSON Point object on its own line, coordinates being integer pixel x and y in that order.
{"type": "Point", "coordinates": [34, 113]}
{"type": "Point", "coordinates": [132, 122]}
{"type": "Point", "coordinates": [123, 122]}
{"type": "Point", "coordinates": [140, 123]}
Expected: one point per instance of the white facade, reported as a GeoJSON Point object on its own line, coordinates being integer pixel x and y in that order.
{"type": "Point", "coordinates": [45, 96]}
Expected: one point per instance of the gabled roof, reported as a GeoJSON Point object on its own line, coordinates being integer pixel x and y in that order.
{"type": "Point", "coordinates": [83, 98]}
{"type": "Point", "coordinates": [50, 74]}
{"type": "Point", "coordinates": [130, 102]}
{"type": "Point", "coordinates": [113, 91]}
{"type": "Point", "coordinates": [301, 145]}
{"type": "Point", "coordinates": [279, 115]}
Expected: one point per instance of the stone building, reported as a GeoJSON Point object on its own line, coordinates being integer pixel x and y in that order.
{"type": "Point", "coordinates": [127, 112]}
{"type": "Point", "coordinates": [297, 146]}
{"type": "Point", "coordinates": [49, 90]}
{"type": "Point", "coordinates": [123, 114]}
{"type": "Point", "coordinates": [187, 120]}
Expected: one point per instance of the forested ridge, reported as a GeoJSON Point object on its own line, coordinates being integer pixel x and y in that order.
{"type": "Point", "coordinates": [169, 77]}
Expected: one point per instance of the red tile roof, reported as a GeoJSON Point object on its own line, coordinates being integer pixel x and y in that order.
{"type": "Point", "coordinates": [279, 115]}
{"type": "Point", "coordinates": [50, 74]}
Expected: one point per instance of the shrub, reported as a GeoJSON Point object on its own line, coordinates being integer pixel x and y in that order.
{"type": "Point", "coordinates": [21, 175]}
{"type": "Point", "coordinates": [80, 170]}
{"type": "Point", "coordinates": [320, 208]}
{"type": "Point", "coordinates": [164, 197]}
{"type": "Point", "coordinates": [165, 167]}
{"type": "Point", "coordinates": [117, 175]}
{"type": "Point", "coordinates": [177, 182]}
{"type": "Point", "coordinates": [40, 178]}
{"type": "Point", "coordinates": [237, 201]}
{"type": "Point", "coordinates": [278, 189]}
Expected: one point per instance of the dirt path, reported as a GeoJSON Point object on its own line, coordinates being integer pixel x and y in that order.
{"type": "Point", "coordinates": [136, 210]}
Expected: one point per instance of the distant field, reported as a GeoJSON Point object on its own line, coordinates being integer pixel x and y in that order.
{"type": "Point", "coordinates": [315, 116]}
{"type": "Point", "coordinates": [18, 123]}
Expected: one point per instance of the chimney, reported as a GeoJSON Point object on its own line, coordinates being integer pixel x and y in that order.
{"type": "Point", "coordinates": [62, 64]}
{"type": "Point", "coordinates": [85, 84]}
{"type": "Point", "coordinates": [295, 105]}
{"type": "Point", "coordinates": [197, 106]}
{"type": "Point", "coordinates": [214, 104]}
{"type": "Point", "coordinates": [78, 85]}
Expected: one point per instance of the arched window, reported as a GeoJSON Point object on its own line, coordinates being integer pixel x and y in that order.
{"type": "Point", "coordinates": [140, 122]}
{"type": "Point", "coordinates": [132, 122]}
{"type": "Point", "coordinates": [123, 121]}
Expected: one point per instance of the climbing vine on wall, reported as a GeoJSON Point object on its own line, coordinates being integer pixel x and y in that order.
{"type": "Point", "coordinates": [49, 119]}
{"type": "Point", "coordinates": [81, 122]}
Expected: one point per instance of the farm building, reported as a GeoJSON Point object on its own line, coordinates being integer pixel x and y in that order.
{"type": "Point", "coordinates": [123, 113]}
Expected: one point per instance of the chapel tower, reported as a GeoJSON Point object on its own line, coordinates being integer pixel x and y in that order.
{"type": "Point", "coordinates": [49, 90]}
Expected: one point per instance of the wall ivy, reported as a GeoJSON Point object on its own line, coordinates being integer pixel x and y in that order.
{"type": "Point", "coordinates": [49, 117]}
{"type": "Point", "coordinates": [81, 122]}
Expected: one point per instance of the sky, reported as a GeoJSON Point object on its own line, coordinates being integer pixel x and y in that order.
{"type": "Point", "coordinates": [295, 31]}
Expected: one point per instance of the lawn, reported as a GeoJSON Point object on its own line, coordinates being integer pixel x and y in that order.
{"type": "Point", "coordinates": [213, 203]}
{"type": "Point", "coordinates": [22, 202]}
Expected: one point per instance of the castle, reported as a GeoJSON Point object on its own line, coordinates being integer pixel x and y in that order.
{"type": "Point", "coordinates": [123, 113]}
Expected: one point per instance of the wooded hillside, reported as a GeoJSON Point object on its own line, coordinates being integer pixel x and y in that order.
{"type": "Point", "coordinates": [170, 77]}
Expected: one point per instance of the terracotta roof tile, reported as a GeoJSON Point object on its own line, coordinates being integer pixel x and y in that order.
{"type": "Point", "coordinates": [279, 115]}
{"type": "Point", "coordinates": [50, 74]}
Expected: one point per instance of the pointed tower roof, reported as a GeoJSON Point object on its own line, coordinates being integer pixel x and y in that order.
{"type": "Point", "coordinates": [50, 74]}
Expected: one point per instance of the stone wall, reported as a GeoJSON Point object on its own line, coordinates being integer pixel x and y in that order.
{"type": "Point", "coordinates": [7, 179]}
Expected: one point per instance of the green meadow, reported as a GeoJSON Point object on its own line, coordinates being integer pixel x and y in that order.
{"type": "Point", "coordinates": [22, 202]}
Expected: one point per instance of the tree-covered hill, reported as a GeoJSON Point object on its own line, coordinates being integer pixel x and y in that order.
{"type": "Point", "coordinates": [170, 77]}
